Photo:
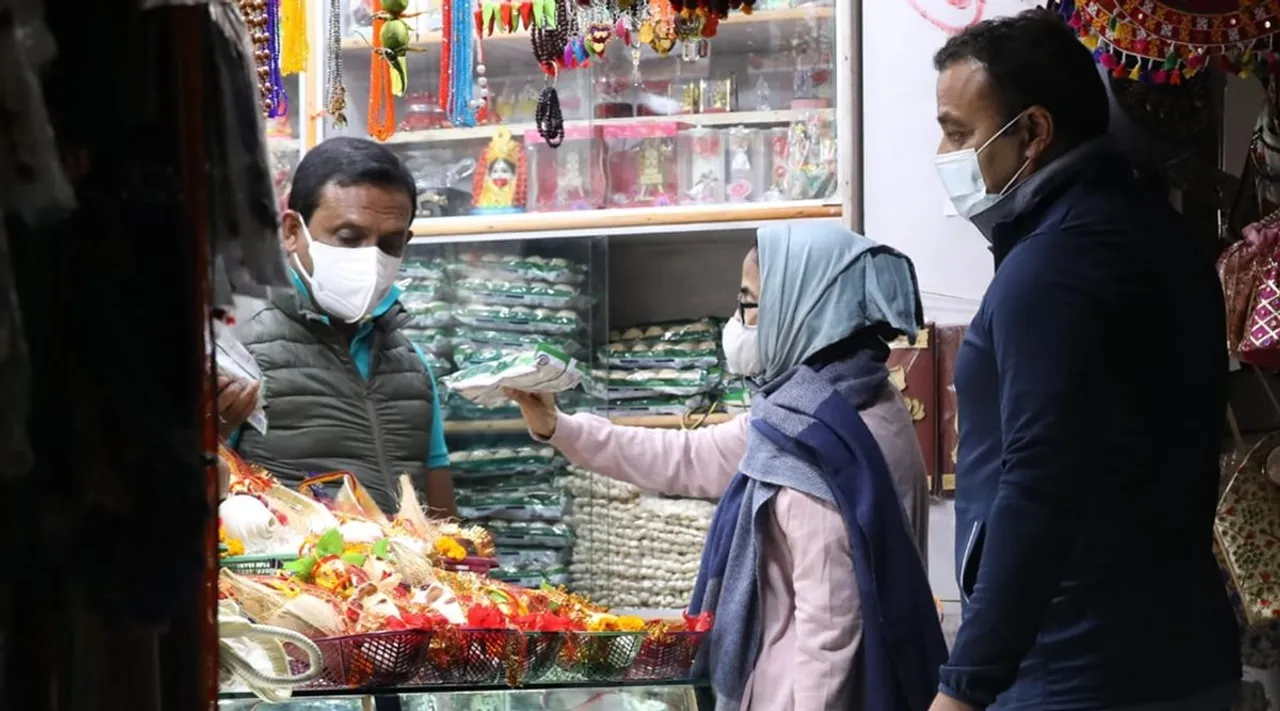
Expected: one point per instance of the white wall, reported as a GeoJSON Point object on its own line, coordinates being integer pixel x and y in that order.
{"type": "Point", "coordinates": [901, 195]}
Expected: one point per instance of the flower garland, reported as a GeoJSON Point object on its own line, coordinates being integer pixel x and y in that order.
{"type": "Point", "coordinates": [1159, 42]}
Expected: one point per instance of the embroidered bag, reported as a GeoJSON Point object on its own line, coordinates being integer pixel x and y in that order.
{"type": "Point", "coordinates": [1246, 534]}
{"type": "Point", "coordinates": [1260, 342]}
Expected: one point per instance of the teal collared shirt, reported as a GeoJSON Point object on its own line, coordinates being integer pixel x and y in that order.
{"type": "Point", "coordinates": [362, 354]}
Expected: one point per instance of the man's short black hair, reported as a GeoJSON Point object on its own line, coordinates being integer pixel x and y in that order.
{"type": "Point", "coordinates": [346, 161]}
{"type": "Point", "coordinates": [1033, 58]}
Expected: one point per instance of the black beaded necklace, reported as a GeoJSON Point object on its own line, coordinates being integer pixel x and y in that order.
{"type": "Point", "coordinates": [549, 45]}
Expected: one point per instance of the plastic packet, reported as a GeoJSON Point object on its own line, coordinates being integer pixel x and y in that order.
{"type": "Point", "coordinates": [656, 406]}
{"type": "Point", "coordinates": [440, 367]}
{"type": "Point", "coordinates": [512, 506]}
{"type": "Point", "coordinates": [556, 576]}
{"type": "Point", "coordinates": [645, 355]}
{"type": "Point", "coordinates": [531, 533]}
{"type": "Point", "coordinates": [490, 482]}
{"type": "Point", "coordinates": [514, 293]}
{"type": "Point", "coordinates": [234, 360]}
{"type": "Point", "coordinates": [506, 460]}
{"type": "Point", "coordinates": [705, 329]}
{"type": "Point", "coordinates": [460, 410]}
{"type": "Point", "coordinates": [519, 318]}
{"type": "Point", "coordinates": [469, 354]}
{"type": "Point", "coordinates": [632, 384]}
{"type": "Point", "coordinates": [541, 369]}
{"type": "Point", "coordinates": [481, 265]}
{"type": "Point", "coordinates": [515, 559]}
{"type": "Point", "coordinates": [425, 269]}
{"type": "Point", "coordinates": [509, 339]}
{"type": "Point", "coordinates": [421, 290]}
{"type": "Point", "coordinates": [440, 341]}
{"type": "Point", "coordinates": [736, 398]}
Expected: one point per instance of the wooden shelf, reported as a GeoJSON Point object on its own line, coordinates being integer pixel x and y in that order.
{"type": "Point", "coordinates": [728, 118]}
{"type": "Point", "coordinates": [622, 220]}
{"type": "Point", "coordinates": [762, 19]}
{"type": "Point", "coordinates": [493, 427]}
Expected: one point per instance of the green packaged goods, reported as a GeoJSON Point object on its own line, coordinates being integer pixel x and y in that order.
{"type": "Point", "coordinates": [540, 369]}
{"type": "Point", "coordinates": [519, 318]}
{"type": "Point", "coordinates": [513, 293]}
{"type": "Point", "coordinates": [647, 355]}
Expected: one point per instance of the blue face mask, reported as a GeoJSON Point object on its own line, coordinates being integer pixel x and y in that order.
{"type": "Point", "coordinates": [961, 176]}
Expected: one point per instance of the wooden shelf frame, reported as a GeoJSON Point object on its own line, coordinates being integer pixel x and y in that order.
{"type": "Point", "coordinates": [721, 216]}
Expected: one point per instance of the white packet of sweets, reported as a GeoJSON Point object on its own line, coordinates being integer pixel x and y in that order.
{"type": "Point", "coordinates": [540, 369]}
{"type": "Point", "coordinates": [235, 361]}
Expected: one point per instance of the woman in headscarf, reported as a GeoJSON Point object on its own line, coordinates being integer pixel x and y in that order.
{"type": "Point", "coordinates": [814, 566]}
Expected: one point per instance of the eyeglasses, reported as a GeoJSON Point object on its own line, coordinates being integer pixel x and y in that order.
{"type": "Point", "coordinates": [742, 309]}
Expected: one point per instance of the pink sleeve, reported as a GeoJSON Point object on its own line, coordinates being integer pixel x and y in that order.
{"type": "Point", "coordinates": [694, 463]}
{"type": "Point", "coordinates": [828, 613]}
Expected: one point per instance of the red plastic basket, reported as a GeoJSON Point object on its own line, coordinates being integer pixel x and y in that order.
{"type": "Point", "coordinates": [599, 656]}
{"type": "Point", "coordinates": [369, 661]}
{"type": "Point", "coordinates": [667, 657]}
{"type": "Point", "coordinates": [464, 657]}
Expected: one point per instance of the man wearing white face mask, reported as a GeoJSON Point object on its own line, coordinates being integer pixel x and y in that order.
{"type": "Point", "coordinates": [345, 390]}
{"type": "Point", "coordinates": [1086, 484]}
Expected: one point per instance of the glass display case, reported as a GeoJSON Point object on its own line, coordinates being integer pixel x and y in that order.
{"type": "Point", "coordinates": [645, 697]}
{"type": "Point", "coordinates": [657, 118]}
{"type": "Point", "coordinates": [284, 134]}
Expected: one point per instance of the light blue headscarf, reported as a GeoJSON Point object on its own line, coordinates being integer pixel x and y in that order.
{"type": "Point", "coordinates": [820, 282]}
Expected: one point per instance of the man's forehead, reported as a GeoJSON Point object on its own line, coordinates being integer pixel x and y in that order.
{"type": "Point", "coordinates": [363, 197]}
{"type": "Point", "coordinates": [964, 91]}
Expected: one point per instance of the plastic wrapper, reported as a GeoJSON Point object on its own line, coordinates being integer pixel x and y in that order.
{"type": "Point", "coordinates": [424, 291]}
{"type": "Point", "coordinates": [437, 341]}
{"type": "Point", "coordinates": [534, 294]}
{"type": "Point", "coordinates": [479, 338]}
{"type": "Point", "coordinates": [706, 329]}
{"type": "Point", "coordinates": [647, 355]}
{"type": "Point", "coordinates": [235, 361]}
{"type": "Point", "coordinates": [505, 461]}
{"type": "Point", "coordinates": [477, 265]}
{"type": "Point", "coordinates": [657, 406]}
{"type": "Point", "coordinates": [522, 319]}
{"type": "Point", "coordinates": [531, 533]}
{"type": "Point", "coordinates": [512, 559]}
{"type": "Point", "coordinates": [425, 269]}
{"type": "Point", "coordinates": [469, 354]}
{"type": "Point", "coordinates": [556, 576]}
{"type": "Point", "coordinates": [631, 384]}
{"type": "Point", "coordinates": [541, 369]}
{"type": "Point", "coordinates": [439, 366]}
{"type": "Point", "coordinates": [512, 506]}
{"type": "Point", "coordinates": [426, 311]}
{"type": "Point", "coordinates": [736, 397]}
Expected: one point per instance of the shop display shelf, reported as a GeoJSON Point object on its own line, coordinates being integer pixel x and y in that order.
{"type": "Point", "coordinates": [479, 427]}
{"type": "Point", "coordinates": [725, 118]}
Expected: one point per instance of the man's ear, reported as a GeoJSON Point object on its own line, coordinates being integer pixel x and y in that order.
{"type": "Point", "coordinates": [1039, 132]}
{"type": "Point", "coordinates": [291, 231]}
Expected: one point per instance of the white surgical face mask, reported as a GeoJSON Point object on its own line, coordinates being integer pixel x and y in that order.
{"type": "Point", "coordinates": [961, 176]}
{"type": "Point", "coordinates": [741, 348]}
{"type": "Point", "coordinates": [347, 283]}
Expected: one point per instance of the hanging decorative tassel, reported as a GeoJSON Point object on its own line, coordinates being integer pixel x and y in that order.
{"type": "Point", "coordinates": [382, 108]}
{"type": "Point", "coordinates": [278, 101]}
{"type": "Point", "coordinates": [293, 36]}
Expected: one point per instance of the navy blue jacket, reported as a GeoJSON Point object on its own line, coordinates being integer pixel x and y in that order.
{"type": "Point", "coordinates": [1092, 394]}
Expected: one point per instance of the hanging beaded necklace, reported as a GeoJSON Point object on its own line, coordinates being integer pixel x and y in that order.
{"type": "Point", "coordinates": [278, 100]}
{"type": "Point", "coordinates": [550, 41]}
{"type": "Point", "coordinates": [461, 110]}
{"type": "Point", "coordinates": [335, 90]}
{"type": "Point", "coordinates": [257, 19]}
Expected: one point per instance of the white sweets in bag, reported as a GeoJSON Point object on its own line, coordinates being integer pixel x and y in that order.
{"type": "Point", "coordinates": [542, 369]}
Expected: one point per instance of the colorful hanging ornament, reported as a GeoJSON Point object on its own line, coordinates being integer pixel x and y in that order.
{"type": "Point", "coordinates": [457, 62]}
{"type": "Point", "coordinates": [335, 91]}
{"type": "Point", "coordinates": [293, 36]}
{"type": "Point", "coordinates": [391, 43]}
{"type": "Point", "coordinates": [1177, 37]}
{"type": "Point", "coordinates": [382, 107]}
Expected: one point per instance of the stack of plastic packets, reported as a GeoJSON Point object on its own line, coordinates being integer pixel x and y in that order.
{"type": "Point", "coordinates": [662, 369]}
{"type": "Point", "coordinates": [510, 487]}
